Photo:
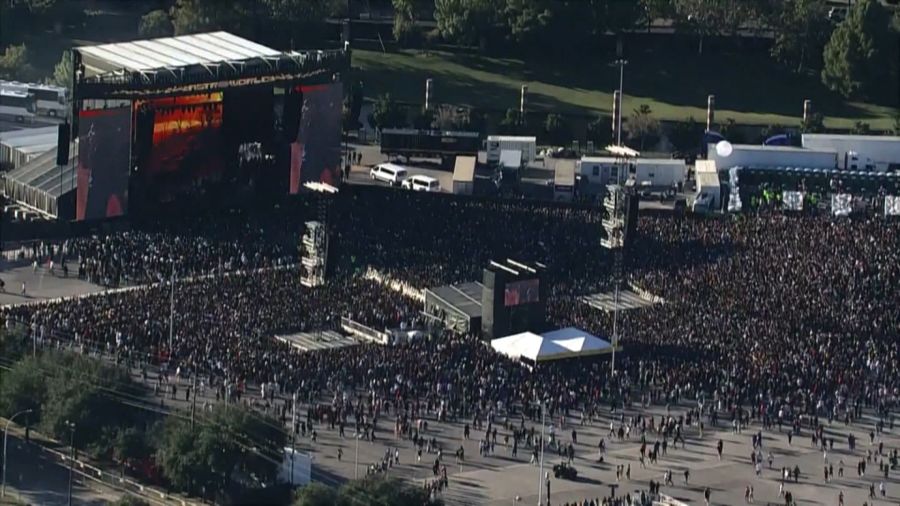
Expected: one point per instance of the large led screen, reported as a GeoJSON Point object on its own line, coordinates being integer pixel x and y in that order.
{"type": "Point", "coordinates": [104, 138]}
{"type": "Point", "coordinates": [316, 152]}
{"type": "Point", "coordinates": [187, 143]}
{"type": "Point", "coordinates": [521, 292]}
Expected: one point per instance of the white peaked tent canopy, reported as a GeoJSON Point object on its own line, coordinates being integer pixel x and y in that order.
{"type": "Point", "coordinates": [563, 343]}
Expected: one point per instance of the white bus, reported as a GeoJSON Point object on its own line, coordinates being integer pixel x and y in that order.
{"type": "Point", "coordinates": [51, 100]}
{"type": "Point", "coordinates": [17, 105]}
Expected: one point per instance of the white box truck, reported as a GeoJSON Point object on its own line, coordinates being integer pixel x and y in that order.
{"type": "Point", "coordinates": [858, 152]}
{"type": "Point", "coordinates": [772, 157]}
{"type": "Point", "coordinates": [464, 175]}
{"type": "Point", "coordinates": [497, 143]}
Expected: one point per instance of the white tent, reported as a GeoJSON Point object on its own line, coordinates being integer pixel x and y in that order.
{"type": "Point", "coordinates": [562, 343]}
{"type": "Point", "coordinates": [527, 345]}
{"type": "Point", "coordinates": [578, 341]}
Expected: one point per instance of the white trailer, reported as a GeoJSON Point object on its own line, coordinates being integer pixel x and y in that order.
{"type": "Point", "coordinates": [464, 175]}
{"type": "Point", "coordinates": [858, 152]}
{"type": "Point", "coordinates": [598, 170]}
{"type": "Point", "coordinates": [771, 157]}
{"type": "Point", "coordinates": [497, 143]}
{"type": "Point", "coordinates": [708, 193]}
{"type": "Point", "coordinates": [564, 180]}
{"type": "Point", "coordinates": [659, 173]}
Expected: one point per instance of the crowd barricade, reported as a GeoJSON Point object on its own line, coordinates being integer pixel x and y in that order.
{"type": "Point", "coordinates": [665, 500]}
{"type": "Point", "coordinates": [396, 285]}
{"type": "Point", "coordinates": [365, 332]}
{"type": "Point", "coordinates": [644, 294]}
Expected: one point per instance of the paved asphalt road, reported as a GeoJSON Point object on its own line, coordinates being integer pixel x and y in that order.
{"type": "Point", "coordinates": [7, 125]}
{"type": "Point", "coordinates": [39, 285]}
{"type": "Point", "coordinates": [38, 479]}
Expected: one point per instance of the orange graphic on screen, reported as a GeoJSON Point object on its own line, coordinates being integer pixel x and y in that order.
{"type": "Point", "coordinates": [186, 136]}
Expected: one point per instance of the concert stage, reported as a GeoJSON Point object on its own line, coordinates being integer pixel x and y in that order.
{"type": "Point", "coordinates": [179, 119]}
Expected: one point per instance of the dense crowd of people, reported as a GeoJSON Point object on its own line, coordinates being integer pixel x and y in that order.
{"type": "Point", "coordinates": [767, 316]}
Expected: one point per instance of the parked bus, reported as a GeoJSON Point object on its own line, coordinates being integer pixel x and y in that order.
{"type": "Point", "coordinates": [17, 105]}
{"type": "Point", "coordinates": [429, 144]}
{"type": "Point", "coordinates": [52, 101]}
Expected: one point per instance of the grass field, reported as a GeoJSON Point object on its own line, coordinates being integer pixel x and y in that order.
{"type": "Point", "coordinates": [751, 90]}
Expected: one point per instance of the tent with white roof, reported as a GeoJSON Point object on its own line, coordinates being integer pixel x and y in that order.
{"type": "Point", "coordinates": [563, 343]}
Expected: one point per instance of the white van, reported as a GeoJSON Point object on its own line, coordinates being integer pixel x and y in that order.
{"type": "Point", "coordinates": [419, 182]}
{"type": "Point", "coordinates": [389, 173]}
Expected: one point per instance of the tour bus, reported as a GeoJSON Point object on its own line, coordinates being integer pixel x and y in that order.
{"type": "Point", "coordinates": [17, 105]}
{"type": "Point", "coordinates": [50, 100]}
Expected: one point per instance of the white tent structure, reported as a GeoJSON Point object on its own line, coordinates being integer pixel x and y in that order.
{"type": "Point", "coordinates": [563, 343]}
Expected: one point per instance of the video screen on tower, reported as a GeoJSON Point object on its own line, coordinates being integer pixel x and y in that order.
{"type": "Point", "coordinates": [187, 141]}
{"type": "Point", "coordinates": [521, 292]}
{"type": "Point", "coordinates": [316, 152]}
{"type": "Point", "coordinates": [104, 137]}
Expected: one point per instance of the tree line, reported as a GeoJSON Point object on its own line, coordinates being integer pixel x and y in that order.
{"type": "Point", "coordinates": [856, 54]}
{"type": "Point", "coordinates": [229, 454]}
{"type": "Point", "coordinates": [97, 408]}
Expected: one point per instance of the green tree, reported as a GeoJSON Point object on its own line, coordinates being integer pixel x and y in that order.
{"type": "Point", "coordinates": [23, 387]}
{"type": "Point", "coordinates": [686, 136]}
{"type": "Point", "coordinates": [705, 18]}
{"type": "Point", "coordinates": [130, 444]}
{"type": "Point", "coordinates": [62, 72]}
{"type": "Point", "coordinates": [813, 124]}
{"type": "Point", "coordinates": [387, 113]}
{"type": "Point", "coordinates": [473, 120]}
{"type": "Point", "coordinates": [424, 119]}
{"type": "Point", "coordinates": [469, 22]}
{"type": "Point", "coordinates": [731, 131]}
{"type": "Point", "coordinates": [599, 130]}
{"type": "Point", "coordinates": [316, 494]}
{"type": "Point", "coordinates": [860, 56]}
{"type": "Point", "coordinates": [353, 102]}
{"type": "Point", "coordinates": [511, 124]}
{"type": "Point", "coordinates": [156, 24]}
{"type": "Point", "coordinates": [384, 491]}
{"type": "Point", "coordinates": [557, 130]}
{"type": "Point", "coordinates": [554, 27]}
{"type": "Point", "coordinates": [290, 22]}
{"type": "Point", "coordinates": [14, 63]}
{"type": "Point", "coordinates": [406, 14]}
{"type": "Point", "coordinates": [83, 390]}
{"type": "Point", "coordinates": [304, 11]}
{"type": "Point", "coordinates": [770, 131]}
{"type": "Point", "coordinates": [193, 16]}
{"type": "Point", "coordinates": [642, 126]}
{"type": "Point", "coordinates": [527, 20]}
{"type": "Point", "coordinates": [861, 128]}
{"type": "Point", "coordinates": [801, 29]}
{"type": "Point", "coordinates": [205, 457]}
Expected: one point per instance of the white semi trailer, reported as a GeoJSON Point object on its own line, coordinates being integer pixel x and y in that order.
{"type": "Point", "coordinates": [858, 152]}
{"type": "Point", "coordinates": [771, 157]}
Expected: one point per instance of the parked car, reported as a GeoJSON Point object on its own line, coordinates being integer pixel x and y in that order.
{"type": "Point", "coordinates": [419, 182]}
{"type": "Point", "coordinates": [390, 173]}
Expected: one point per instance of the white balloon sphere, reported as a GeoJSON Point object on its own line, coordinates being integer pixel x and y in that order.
{"type": "Point", "coordinates": [724, 149]}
